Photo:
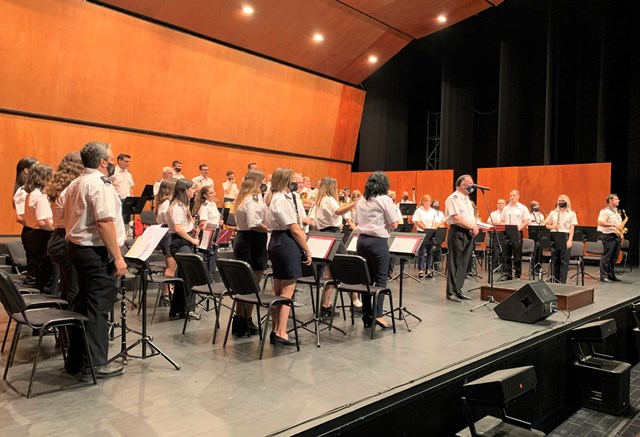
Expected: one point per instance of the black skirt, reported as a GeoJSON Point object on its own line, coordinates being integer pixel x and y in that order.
{"type": "Point", "coordinates": [251, 247]}
{"type": "Point", "coordinates": [285, 255]}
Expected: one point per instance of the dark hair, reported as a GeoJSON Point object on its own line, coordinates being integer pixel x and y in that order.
{"type": "Point", "coordinates": [122, 156]}
{"type": "Point", "coordinates": [377, 185]}
{"type": "Point", "coordinates": [39, 175]}
{"type": "Point", "coordinates": [230, 172]}
{"type": "Point", "coordinates": [202, 165]}
{"type": "Point", "coordinates": [93, 152]}
{"type": "Point", "coordinates": [173, 164]}
{"type": "Point", "coordinates": [21, 174]}
{"type": "Point", "coordinates": [180, 193]}
{"type": "Point", "coordinates": [610, 197]}
{"type": "Point", "coordinates": [250, 164]}
{"type": "Point", "coordinates": [201, 197]}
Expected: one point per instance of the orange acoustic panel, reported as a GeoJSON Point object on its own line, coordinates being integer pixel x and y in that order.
{"type": "Point", "coordinates": [80, 61]}
{"type": "Point", "coordinates": [49, 141]}
{"type": "Point", "coordinates": [587, 185]}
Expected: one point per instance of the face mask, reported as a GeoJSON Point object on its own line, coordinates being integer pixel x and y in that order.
{"type": "Point", "coordinates": [341, 198]}
{"type": "Point", "coordinates": [177, 170]}
{"type": "Point", "coordinates": [436, 207]}
{"type": "Point", "coordinates": [562, 204]}
{"type": "Point", "coordinates": [111, 169]}
{"type": "Point", "coordinates": [293, 186]}
{"type": "Point", "coordinates": [536, 208]}
{"type": "Point", "coordinates": [263, 188]}
{"type": "Point", "coordinates": [470, 189]}
{"type": "Point", "coordinates": [405, 198]}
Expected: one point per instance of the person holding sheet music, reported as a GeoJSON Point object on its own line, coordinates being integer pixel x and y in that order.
{"type": "Point", "coordinates": [250, 242]}
{"type": "Point", "coordinates": [564, 220]}
{"type": "Point", "coordinates": [515, 213]}
{"type": "Point", "coordinates": [327, 214]}
{"type": "Point", "coordinates": [209, 218]}
{"type": "Point", "coordinates": [463, 228]}
{"type": "Point", "coordinates": [95, 231]}
{"type": "Point", "coordinates": [163, 200]}
{"type": "Point", "coordinates": [377, 216]}
{"type": "Point", "coordinates": [181, 229]}
{"type": "Point", "coordinates": [288, 249]}
{"type": "Point", "coordinates": [425, 218]}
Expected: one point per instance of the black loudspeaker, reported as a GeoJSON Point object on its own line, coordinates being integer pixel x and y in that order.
{"type": "Point", "coordinates": [502, 386]}
{"type": "Point", "coordinates": [531, 303]}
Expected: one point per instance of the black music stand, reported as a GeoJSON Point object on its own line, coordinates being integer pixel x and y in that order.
{"type": "Point", "coordinates": [534, 234]}
{"type": "Point", "coordinates": [404, 246]}
{"type": "Point", "coordinates": [136, 258]}
{"type": "Point", "coordinates": [473, 267]}
{"type": "Point", "coordinates": [323, 246]}
{"type": "Point", "coordinates": [406, 209]}
{"type": "Point", "coordinates": [147, 192]}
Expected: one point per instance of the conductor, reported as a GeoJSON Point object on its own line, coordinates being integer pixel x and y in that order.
{"type": "Point", "coordinates": [460, 215]}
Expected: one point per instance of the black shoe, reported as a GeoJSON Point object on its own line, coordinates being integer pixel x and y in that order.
{"type": "Point", "coordinates": [272, 337]}
{"type": "Point", "coordinates": [616, 279]}
{"type": "Point", "coordinates": [284, 341]}
{"type": "Point", "coordinates": [453, 298]}
{"type": "Point", "coordinates": [463, 297]}
{"type": "Point", "coordinates": [239, 326]}
{"type": "Point", "coordinates": [253, 329]}
{"type": "Point", "coordinates": [367, 320]}
{"type": "Point", "coordinates": [104, 371]}
{"type": "Point", "coordinates": [605, 280]}
{"type": "Point", "coordinates": [326, 312]}
{"type": "Point", "coordinates": [383, 325]}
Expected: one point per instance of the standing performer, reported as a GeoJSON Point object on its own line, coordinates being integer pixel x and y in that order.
{"type": "Point", "coordinates": [426, 217]}
{"type": "Point", "coordinates": [537, 218]}
{"type": "Point", "coordinates": [515, 213]}
{"type": "Point", "coordinates": [288, 249]}
{"type": "Point", "coordinates": [562, 219]}
{"type": "Point", "coordinates": [462, 220]}
{"type": "Point", "coordinates": [209, 217]}
{"type": "Point", "coordinates": [610, 224]}
{"type": "Point", "coordinates": [95, 231]}
{"type": "Point", "coordinates": [377, 217]}
{"type": "Point", "coordinates": [19, 196]}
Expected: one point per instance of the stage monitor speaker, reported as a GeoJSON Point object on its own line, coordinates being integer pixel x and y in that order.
{"type": "Point", "coordinates": [594, 331]}
{"type": "Point", "coordinates": [502, 386]}
{"type": "Point", "coordinates": [531, 303]}
{"type": "Point", "coordinates": [604, 384]}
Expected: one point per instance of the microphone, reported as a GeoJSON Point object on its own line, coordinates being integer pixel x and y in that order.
{"type": "Point", "coordinates": [480, 187]}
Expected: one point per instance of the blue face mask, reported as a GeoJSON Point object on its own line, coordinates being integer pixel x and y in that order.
{"type": "Point", "coordinates": [470, 189]}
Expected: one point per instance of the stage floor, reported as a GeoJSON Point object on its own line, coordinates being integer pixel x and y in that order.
{"type": "Point", "coordinates": [230, 392]}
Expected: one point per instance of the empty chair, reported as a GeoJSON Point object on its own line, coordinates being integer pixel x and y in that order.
{"type": "Point", "coordinates": [352, 276]}
{"type": "Point", "coordinates": [42, 319]}
{"type": "Point", "coordinates": [528, 247]}
{"type": "Point", "coordinates": [197, 281]}
{"type": "Point", "coordinates": [576, 259]}
{"type": "Point", "coordinates": [244, 288]}
{"type": "Point", "coordinates": [593, 252]}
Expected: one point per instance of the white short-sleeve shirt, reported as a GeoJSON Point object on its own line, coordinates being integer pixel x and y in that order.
{"type": "Point", "coordinates": [515, 214]}
{"type": "Point", "coordinates": [177, 215]}
{"type": "Point", "coordinates": [459, 204]}
{"type": "Point", "coordinates": [281, 213]}
{"type": "Point", "coordinates": [610, 216]}
{"type": "Point", "coordinates": [376, 215]}
{"type": "Point", "coordinates": [210, 214]}
{"type": "Point", "coordinates": [326, 213]}
{"type": "Point", "coordinates": [161, 216]}
{"type": "Point", "coordinates": [251, 213]}
{"type": "Point", "coordinates": [37, 207]}
{"type": "Point", "coordinates": [57, 207]}
{"type": "Point", "coordinates": [565, 219]}
{"type": "Point", "coordinates": [18, 200]}
{"type": "Point", "coordinates": [430, 217]}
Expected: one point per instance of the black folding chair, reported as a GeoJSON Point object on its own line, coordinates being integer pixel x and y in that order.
{"type": "Point", "coordinates": [352, 276]}
{"type": "Point", "coordinates": [244, 288]}
{"type": "Point", "coordinates": [42, 319]}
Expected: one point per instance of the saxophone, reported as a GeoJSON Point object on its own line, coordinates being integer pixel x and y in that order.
{"type": "Point", "coordinates": [624, 230]}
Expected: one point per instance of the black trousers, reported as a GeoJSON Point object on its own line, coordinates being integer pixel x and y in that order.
{"type": "Point", "coordinates": [513, 258]}
{"type": "Point", "coordinates": [31, 267]}
{"type": "Point", "coordinates": [45, 273]}
{"type": "Point", "coordinates": [376, 251]}
{"type": "Point", "coordinates": [460, 245]}
{"type": "Point", "coordinates": [611, 245]}
{"type": "Point", "coordinates": [178, 301]}
{"type": "Point", "coordinates": [58, 249]}
{"type": "Point", "coordinates": [560, 263]}
{"type": "Point", "coordinates": [95, 299]}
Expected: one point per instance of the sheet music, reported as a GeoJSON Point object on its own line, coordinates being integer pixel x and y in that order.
{"type": "Point", "coordinates": [205, 241]}
{"type": "Point", "coordinates": [353, 244]}
{"type": "Point", "coordinates": [146, 243]}
{"type": "Point", "coordinates": [483, 225]}
{"type": "Point", "coordinates": [320, 246]}
{"type": "Point", "coordinates": [407, 245]}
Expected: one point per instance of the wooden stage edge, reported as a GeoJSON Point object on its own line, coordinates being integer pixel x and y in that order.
{"type": "Point", "coordinates": [570, 297]}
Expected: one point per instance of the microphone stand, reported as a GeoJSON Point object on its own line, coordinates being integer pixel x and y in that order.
{"type": "Point", "coordinates": [495, 242]}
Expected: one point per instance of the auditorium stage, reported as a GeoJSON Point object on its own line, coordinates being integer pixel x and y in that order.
{"type": "Point", "coordinates": [394, 383]}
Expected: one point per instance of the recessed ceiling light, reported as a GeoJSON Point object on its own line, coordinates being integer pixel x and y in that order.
{"type": "Point", "coordinates": [318, 37]}
{"type": "Point", "coordinates": [373, 59]}
{"type": "Point", "coordinates": [441, 19]}
{"type": "Point", "coordinates": [247, 10]}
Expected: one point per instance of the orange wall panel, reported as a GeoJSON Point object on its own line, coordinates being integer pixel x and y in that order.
{"type": "Point", "coordinates": [49, 141]}
{"type": "Point", "coordinates": [80, 61]}
{"type": "Point", "coordinates": [587, 185]}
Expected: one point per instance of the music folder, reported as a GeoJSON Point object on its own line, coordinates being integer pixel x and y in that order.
{"type": "Point", "coordinates": [405, 245]}
{"type": "Point", "coordinates": [352, 242]}
{"type": "Point", "coordinates": [146, 243]}
{"type": "Point", "coordinates": [323, 245]}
